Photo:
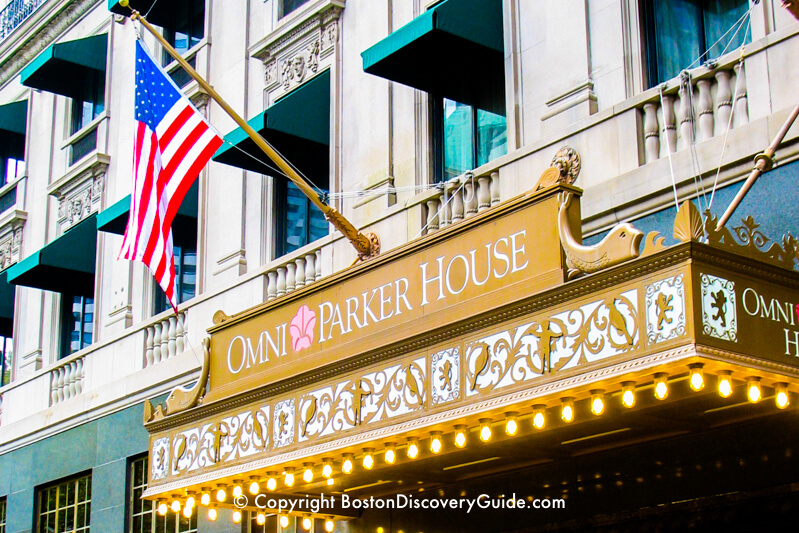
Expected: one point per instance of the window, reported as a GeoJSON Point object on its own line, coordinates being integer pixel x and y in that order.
{"type": "Point", "coordinates": [184, 245]}
{"type": "Point", "coordinates": [6, 356]}
{"type": "Point", "coordinates": [187, 28]}
{"type": "Point", "coordinates": [269, 525]}
{"type": "Point", "coordinates": [86, 108]}
{"type": "Point", "coordinates": [77, 323]}
{"type": "Point", "coordinates": [300, 222]}
{"type": "Point", "coordinates": [65, 507]}
{"type": "Point", "coordinates": [10, 169]}
{"type": "Point", "coordinates": [287, 6]}
{"type": "Point", "coordinates": [468, 137]}
{"type": "Point", "coordinates": [678, 32]}
{"type": "Point", "coordinates": [2, 515]}
{"type": "Point", "coordinates": [143, 515]}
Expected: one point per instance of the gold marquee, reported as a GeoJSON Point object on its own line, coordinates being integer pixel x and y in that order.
{"type": "Point", "coordinates": [473, 338]}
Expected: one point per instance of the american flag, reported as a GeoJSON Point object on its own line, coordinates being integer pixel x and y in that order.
{"type": "Point", "coordinates": [173, 143]}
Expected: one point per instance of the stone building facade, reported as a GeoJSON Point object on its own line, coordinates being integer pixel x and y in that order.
{"type": "Point", "coordinates": [405, 133]}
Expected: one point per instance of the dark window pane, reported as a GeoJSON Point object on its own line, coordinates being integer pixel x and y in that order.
{"type": "Point", "coordinates": [287, 6]}
{"type": "Point", "coordinates": [683, 34]}
{"type": "Point", "coordinates": [83, 147]}
{"type": "Point", "coordinates": [8, 200]}
{"type": "Point", "coordinates": [296, 218]}
{"type": "Point", "coordinates": [458, 138]}
{"type": "Point", "coordinates": [720, 16]}
{"type": "Point", "coordinates": [677, 33]}
{"type": "Point", "coordinates": [77, 331]}
{"type": "Point", "coordinates": [492, 136]}
{"type": "Point", "coordinates": [187, 29]}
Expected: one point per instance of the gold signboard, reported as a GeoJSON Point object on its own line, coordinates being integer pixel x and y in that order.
{"type": "Point", "coordinates": [471, 325]}
{"type": "Point", "coordinates": [489, 260]}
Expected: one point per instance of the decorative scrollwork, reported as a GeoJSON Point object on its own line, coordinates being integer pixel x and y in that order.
{"type": "Point", "coordinates": [752, 242]}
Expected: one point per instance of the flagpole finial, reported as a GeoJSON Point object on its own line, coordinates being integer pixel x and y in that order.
{"type": "Point", "coordinates": [124, 3]}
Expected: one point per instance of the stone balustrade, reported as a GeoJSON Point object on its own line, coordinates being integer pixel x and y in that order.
{"type": "Point", "coordinates": [669, 125]}
{"type": "Point", "coordinates": [461, 198]}
{"type": "Point", "coordinates": [165, 339]}
{"type": "Point", "coordinates": [294, 274]}
{"type": "Point", "coordinates": [66, 380]}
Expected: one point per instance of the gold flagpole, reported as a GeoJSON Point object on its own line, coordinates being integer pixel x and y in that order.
{"type": "Point", "coordinates": [367, 245]}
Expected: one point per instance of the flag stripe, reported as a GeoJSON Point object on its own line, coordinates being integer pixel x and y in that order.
{"type": "Point", "coordinates": [173, 143]}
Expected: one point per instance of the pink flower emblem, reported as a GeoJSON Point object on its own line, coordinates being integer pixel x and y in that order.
{"type": "Point", "coordinates": [301, 328]}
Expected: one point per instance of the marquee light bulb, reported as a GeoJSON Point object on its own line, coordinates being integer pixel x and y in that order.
{"type": "Point", "coordinates": [567, 410]}
{"type": "Point", "coordinates": [538, 416]}
{"type": "Point", "coordinates": [307, 475]}
{"type": "Point", "coordinates": [485, 429]}
{"type": "Point", "coordinates": [284, 521]}
{"type": "Point", "coordinates": [255, 488]}
{"type": "Point", "coordinates": [511, 426]}
{"type": "Point", "coordinates": [289, 479]}
{"type": "Point", "coordinates": [221, 495]}
{"type": "Point", "coordinates": [661, 387]}
{"type": "Point", "coordinates": [347, 465]}
{"type": "Point", "coordinates": [271, 484]}
{"type": "Point", "coordinates": [391, 454]}
{"type": "Point", "coordinates": [236, 517]}
{"type": "Point", "coordinates": [190, 502]}
{"type": "Point", "coordinates": [212, 514]}
{"type": "Point", "coordinates": [753, 390]}
{"type": "Point", "coordinates": [307, 523]}
{"type": "Point", "coordinates": [413, 449]}
{"type": "Point", "coordinates": [435, 442]}
{"type": "Point", "coordinates": [327, 469]}
{"type": "Point", "coordinates": [260, 519]}
{"type": "Point", "coordinates": [368, 460]}
{"type": "Point", "coordinates": [628, 394]}
{"type": "Point", "coordinates": [597, 402]}
{"type": "Point", "coordinates": [781, 398]}
{"type": "Point", "coordinates": [725, 384]}
{"type": "Point", "coordinates": [162, 509]}
{"type": "Point", "coordinates": [460, 436]}
{"type": "Point", "coordinates": [205, 499]}
{"type": "Point", "coordinates": [237, 491]}
{"type": "Point", "coordinates": [329, 526]}
{"type": "Point", "coordinates": [175, 506]}
{"type": "Point", "coordinates": [187, 512]}
{"type": "Point", "coordinates": [697, 377]}
{"type": "Point", "coordinates": [330, 482]}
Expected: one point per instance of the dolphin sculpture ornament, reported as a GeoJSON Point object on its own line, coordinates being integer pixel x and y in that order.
{"type": "Point", "coordinates": [182, 398]}
{"type": "Point", "coordinates": [621, 244]}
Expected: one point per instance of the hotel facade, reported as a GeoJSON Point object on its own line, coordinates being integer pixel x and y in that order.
{"type": "Point", "coordinates": [552, 331]}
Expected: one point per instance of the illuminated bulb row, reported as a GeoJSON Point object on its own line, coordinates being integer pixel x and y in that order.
{"type": "Point", "coordinates": [597, 405]}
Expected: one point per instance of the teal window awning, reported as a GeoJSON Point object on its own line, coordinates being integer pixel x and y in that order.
{"type": "Point", "coordinates": [454, 50]}
{"type": "Point", "coordinates": [158, 13]}
{"type": "Point", "coordinates": [65, 265]}
{"type": "Point", "coordinates": [7, 292]}
{"type": "Point", "coordinates": [297, 125]}
{"type": "Point", "coordinates": [13, 126]}
{"type": "Point", "coordinates": [63, 68]}
{"type": "Point", "coordinates": [114, 219]}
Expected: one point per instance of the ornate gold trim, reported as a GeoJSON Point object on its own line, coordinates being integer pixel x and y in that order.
{"type": "Point", "coordinates": [182, 398]}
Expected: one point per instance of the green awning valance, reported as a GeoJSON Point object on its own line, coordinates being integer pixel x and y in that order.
{"type": "Point", "coordinates": [297, 125]}
{"type": "Point", "coordinates": [13, 126]}
{"type": "Point", "coordinates": [66, 265]}
{"type": "Point", "coordinates": [453, 50]}
{"type": "Point", "coordinates": [65, 68]}
{"type": "Point", "coordinates": [114, 219]}
{"type": "Point", "coordinates": [160, 14]}
{"type": "Point", "coordinates": [7, 292]}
